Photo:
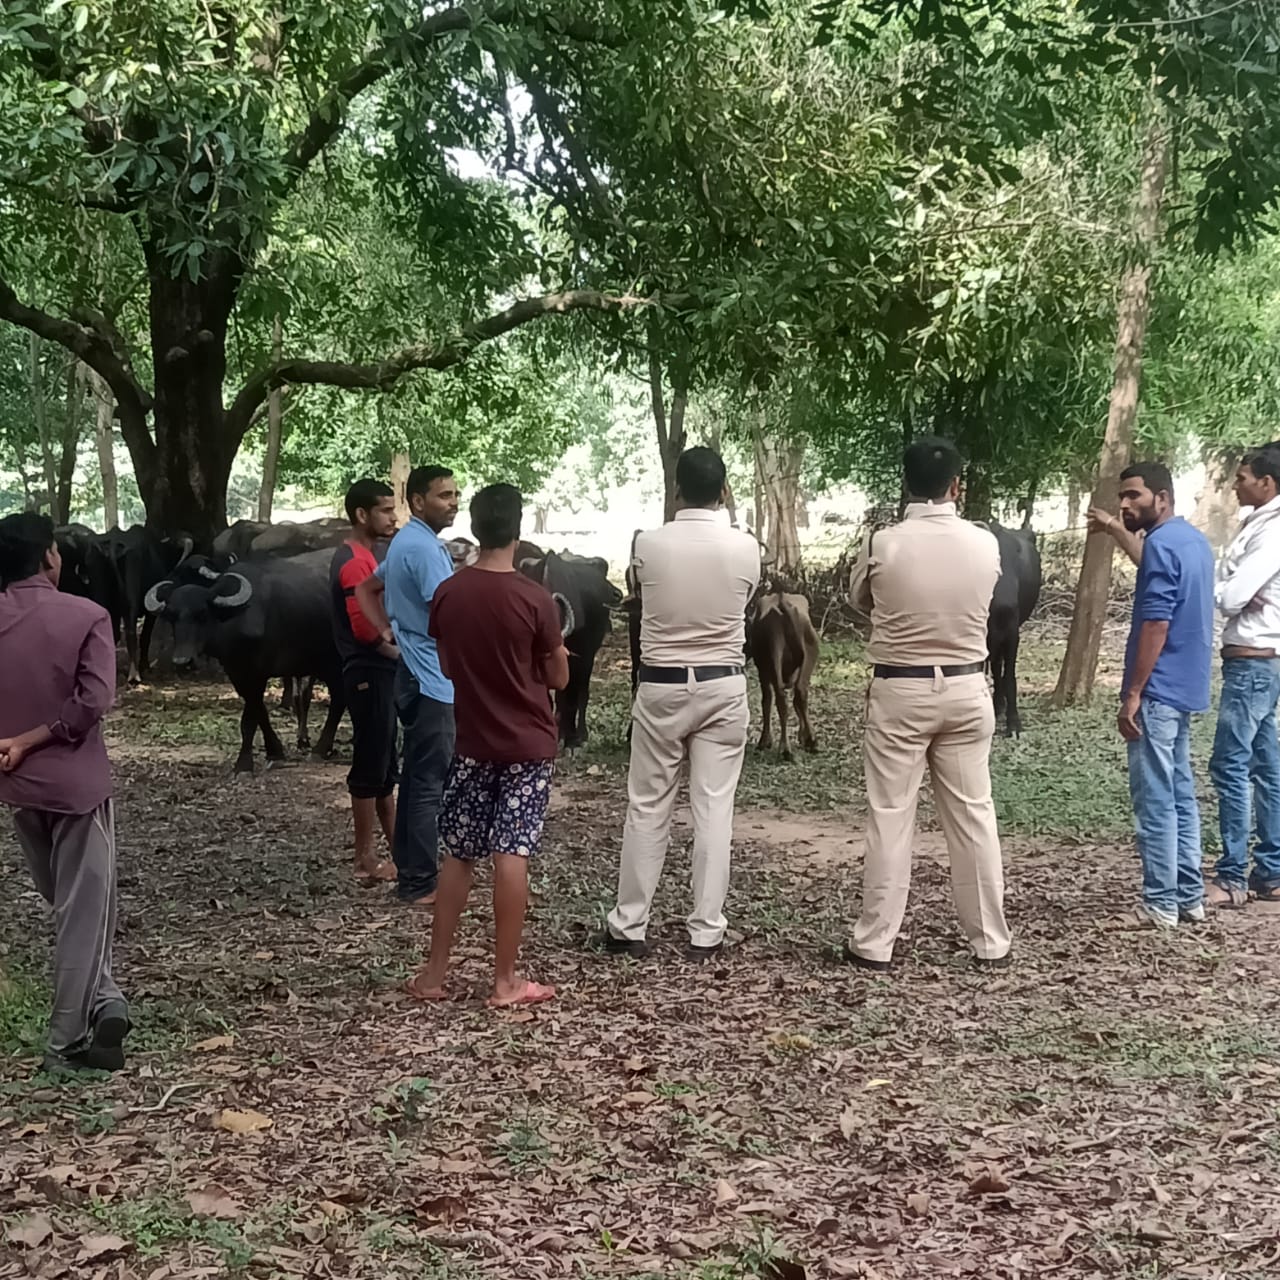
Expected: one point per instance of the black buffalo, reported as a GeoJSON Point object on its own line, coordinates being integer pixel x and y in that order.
{"type": "Point", "coordinates": [116, 570]}
{"type": "Point", "coordinates": [1016, 595]}
{"type": "Point", "coordinates": [288, 538]}
{"type": "Point", "coordinates": [581, 587]}
{"type": "Point", "coordinates": [260, 619]}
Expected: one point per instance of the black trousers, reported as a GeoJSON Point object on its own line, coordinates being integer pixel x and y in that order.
{"type": "Point", "coordinates": [371, 701]}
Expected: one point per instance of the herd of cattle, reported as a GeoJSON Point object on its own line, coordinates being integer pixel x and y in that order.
{"type": "Point", "coordinates": [259, 605]}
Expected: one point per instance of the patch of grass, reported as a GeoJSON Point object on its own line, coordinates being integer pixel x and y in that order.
{"type": "Point", "coordinates": [153, 1223]}
{"type": "Point", "coordinates": [1138, 1049]}
{"type": "Point", "coordinates": [24, 1010]}
{"type": "Point", "coordinates": [524, 1147]}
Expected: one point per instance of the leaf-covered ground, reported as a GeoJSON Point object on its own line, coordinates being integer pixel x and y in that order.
{"type": "Point", "coordinates": [1107, 1107]}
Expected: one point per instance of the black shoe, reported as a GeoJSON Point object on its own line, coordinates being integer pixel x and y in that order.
{"type": "Point", "coordinates": [850, 956]}
{"type": "Point", "coordinates": [111, 1025]}
{"type": "Point", "coordinates": [1000, 962]}
{"type": "Point", "coordinates": [93, 1058]}
{"type": "Point", "coordinates": [700, 955]}
{"type": "Point", "coordinates": [636, 948]}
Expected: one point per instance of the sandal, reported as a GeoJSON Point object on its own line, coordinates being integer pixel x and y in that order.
{"type": "Point", "coordinates": [1227, 897]}
{"type": "Point", "coordinates": [429, 996]}
{"type": "Point", "coordinates": [532, 993]}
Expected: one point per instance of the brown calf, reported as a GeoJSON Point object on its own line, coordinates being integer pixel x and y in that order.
{"type": "Point", "coordinates": [784, 645]}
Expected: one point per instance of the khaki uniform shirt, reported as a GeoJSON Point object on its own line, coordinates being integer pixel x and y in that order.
{"type": "Point", "coordinates": [696, 576]}
{"type": "Point", "coordinates": [927, 584]}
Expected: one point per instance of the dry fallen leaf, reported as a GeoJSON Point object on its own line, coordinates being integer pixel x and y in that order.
{"type": "Point", "coordinates": [442, 1208]}
{"type": "Point", "coordinates": [877, 1084]}
{"type": "Point", "coordinates": [725, 1193]}
{"type": "Point", "coordinates": [32, 1233]}
{"type": "Point", "coordinates": [635, 1066]}
{"type": "Point", "coordinates": [790, 1041]}
{"type": "Point", "coordinates": [1154, 1233]}
{"type": "Point", "coordinates": [457, 1166]}
{"type": "Point", "coordinates": [849, 1122]}
{"type": "Point", "coordinates": [213, 1044]}
{"type": "Point", "coordinates": [94, 1247]}
{"type": "Point", "coordinates": [918, 1204]}
{"type": "Point", "coordinates": [30, 1130]}
{"type": "Point", "coordinates": [641, 1098]}
{"type": "Point", "coordinates": [242, 1121]}
{"type": "Point", "coordinates": [990, 1182]}
{"type": "Point", "coordinates": [213, 1202]}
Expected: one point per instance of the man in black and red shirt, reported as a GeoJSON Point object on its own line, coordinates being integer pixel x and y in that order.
{"type": "Point", "coordinates": [368, 674]}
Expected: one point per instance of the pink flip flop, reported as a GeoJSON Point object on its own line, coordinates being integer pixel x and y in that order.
{"type": "Point", "coordinates": [533, 993]}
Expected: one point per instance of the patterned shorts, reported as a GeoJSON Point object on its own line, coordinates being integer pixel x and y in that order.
{"type": "Point", "coordinates": [494, 808]}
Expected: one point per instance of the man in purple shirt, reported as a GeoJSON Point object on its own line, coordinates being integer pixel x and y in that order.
{"type": "Point", "coordinates": [57, 681]}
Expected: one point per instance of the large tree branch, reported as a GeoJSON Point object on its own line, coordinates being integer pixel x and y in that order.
{"type": "Point", "coordinates": [383, 374]}
{"type": "Point", "coordinates": [94, 345]}
{"type": "Point", "coordinates": [330, 112]}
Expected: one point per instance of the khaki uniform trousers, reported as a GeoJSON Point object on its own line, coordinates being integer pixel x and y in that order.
{"type": "Point", "coordinates": [708, 720]}
{"type": "Point", "coordinates": [947, 723]}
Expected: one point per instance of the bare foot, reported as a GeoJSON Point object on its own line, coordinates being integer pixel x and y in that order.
{"type": "Point", "coordinates": [427, 900]}
{"type": "Point", "coordinates": [521, 992]}
{"type": "Point", "coordinates": [378, 869]}
{"type": "Point", "coordinates": [418, 988]}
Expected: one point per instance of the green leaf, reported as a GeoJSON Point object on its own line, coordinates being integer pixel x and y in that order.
{"type": "Point", "coordinates": [77, 99]}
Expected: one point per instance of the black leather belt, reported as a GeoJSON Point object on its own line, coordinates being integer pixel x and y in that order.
{"type": "Point", "coordinates": [883, 672]}
{"type": "Point", "coordinates": [680, 675]}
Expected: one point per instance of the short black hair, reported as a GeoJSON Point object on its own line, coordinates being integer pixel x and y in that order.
{"type": "Point", "coordinates": [495, 515]}
{"type": "Point", "coordinates": [700, 476]}
{"type": "Point", "coordinates": [1155, 475]}
{"type": "Point", "coordinates": [364, 496]}
{"type": "Point", "coordinates": [929, 465]}
{"type": "Point", "coordinates": [25, 539]}
{"type": "Point", "coordinates": [422, 478]}
{"type": "Point", "coordinates": [1264, 461]}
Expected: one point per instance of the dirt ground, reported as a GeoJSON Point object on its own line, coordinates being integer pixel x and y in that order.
{"type": "Point", "coordinates": [1106, 1107]}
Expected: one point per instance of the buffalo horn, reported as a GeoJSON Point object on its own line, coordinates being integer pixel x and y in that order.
{"type": "Point", "coordinates": [239, 597]}
{"type": "Point", "coordinates": [155, 598]}
{"type": "Point", "coordinates": [567, 620]}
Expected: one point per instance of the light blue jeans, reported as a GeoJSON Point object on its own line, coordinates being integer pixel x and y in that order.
{"type": "Point", "coordinates": [1245, 750]}
{"type": "Point", "coordinates": [1165, 809]}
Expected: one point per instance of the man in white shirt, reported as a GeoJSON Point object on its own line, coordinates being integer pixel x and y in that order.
{"type": "Point", "coordinates": [695, 577]}
{"type": "Point", "coordinates": [1245, 748]}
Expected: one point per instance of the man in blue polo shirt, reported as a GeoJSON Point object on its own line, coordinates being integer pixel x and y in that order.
{"type": "Point", "coordinates": [397, 600]}
{"type": "Point", "coordinates": [1166, 680]}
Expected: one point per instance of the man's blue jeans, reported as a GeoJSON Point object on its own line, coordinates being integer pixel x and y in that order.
{"type": "Point", "coordinates": [1164, 805]}
{"type": "Point", "coordinates": [428, 752]}
{"type": "Point", "coordinates": [1245, 750]}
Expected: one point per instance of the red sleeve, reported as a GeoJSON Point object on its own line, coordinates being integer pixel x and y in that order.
{"type": "Point", "coordinates": [350, 576]}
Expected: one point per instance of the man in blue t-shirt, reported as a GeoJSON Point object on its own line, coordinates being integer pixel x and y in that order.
{"type": "Point", "coordinates": [397, 601]}
{"type": "Point", "coordinates": [1166, 679]}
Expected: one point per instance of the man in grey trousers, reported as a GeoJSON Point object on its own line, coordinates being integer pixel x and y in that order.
{"type": "Point", "coordinates": [57, 681]}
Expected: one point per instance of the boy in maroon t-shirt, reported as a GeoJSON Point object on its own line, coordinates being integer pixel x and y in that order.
{"type": "Point", "coordinates": [501, 645]}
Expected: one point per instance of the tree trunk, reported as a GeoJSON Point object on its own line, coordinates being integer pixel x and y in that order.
{"type": "Point", "coordinates": [104, 437]}
{"type": "Point", "coordinates": [1073, 501]}
{"type": "Point", "coordinates": [1216, 507]}
{"type": "Point", "coordinates": [670, 430]}
{"type": "Point", "coordinates": [183, 476]}
{"type": "Point", "coordinates": [540, 515]}
{"type": "Point", "coordinates": [70, 443]}
{"type": "Point", "coordinates": [271, 459]}
{"type": "Point", "coordinates": [40, 416]}
{"type": "Point", "coordinates": [778, 464]}
{"type": "Point", "coordinates": [978, 496]}
{"type": "Point", "coordinates": [758, 497]}
{"type": "Point", "coordinates": [1080, 664]}
{"type": "Point", "coordinates": [400, 469]}
{"type": "Point", "coordinates": [730, 504]}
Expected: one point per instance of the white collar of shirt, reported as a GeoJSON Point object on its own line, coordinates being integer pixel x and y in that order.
{"type": "Point", "coordinates": [1267, 508]}
{"type": "Point", "coordinates": [921, 510]}
{"type": "Point", "coordinates": [697, 513]}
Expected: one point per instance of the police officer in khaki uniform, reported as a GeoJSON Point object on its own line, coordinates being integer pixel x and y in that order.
{"type": "Point", "coordinates": [695, 577]}
{"type": "Point", "coordinates": [927, 584]}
